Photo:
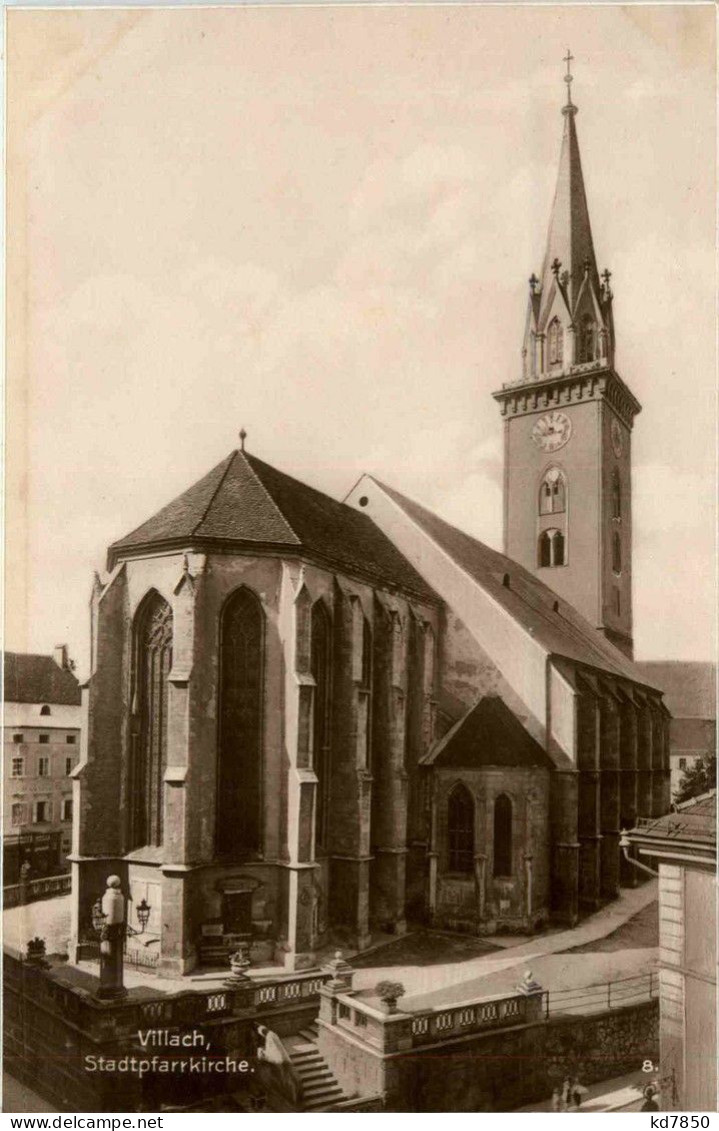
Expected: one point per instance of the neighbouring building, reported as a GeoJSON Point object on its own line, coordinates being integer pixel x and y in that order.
{"type": "Point", "coordinates": [309, 719]}
{"type": "Point", "coordinates": [41, 740]}
{"type": "Point", "coordinates": [684, 844]}
{"type": "Point", "coordinates": [690, 693]}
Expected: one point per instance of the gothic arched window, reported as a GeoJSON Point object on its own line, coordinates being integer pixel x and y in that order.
{"type": "Point", "coordinates": [616, 553]}
{"type": "Point", "coordinates": [503, 836]}
{"type": "Point", "coordinates": [555, 342]}
{"type": "Point", "coordinates": [153, 660]}
{"type": "Point", "coordinates": [320, 666]}
{"type": "Point", "coordinates": [551, 551]}
{"type": "Point", "coordinates": [616, 495]}
{"type": "Point", "coordinates": [460, 830]}
{"type": "Point", "coordinates": [587, 339]}
{"type": "Point", "coordinates": [239, 771]}
{"type": "Point", "coordinates": [553, 492]}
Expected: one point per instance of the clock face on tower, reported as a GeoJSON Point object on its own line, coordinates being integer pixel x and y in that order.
{"type": "Point", "coordinates": [552, 431]}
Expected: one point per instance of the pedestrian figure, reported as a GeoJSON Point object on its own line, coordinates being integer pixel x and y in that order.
{"type": "Point", "coordinates": [566, 1094]}
{"type": "Point", "coordinates": [557, 1100]}
{"type": "Point", "coordinates": [650, 1104]}
{"type": "Point", "coordinates": [577, 1092]}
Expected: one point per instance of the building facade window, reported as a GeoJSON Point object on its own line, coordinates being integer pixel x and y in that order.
{"type": "Point", "coordinates": [45, 710]}
{"type": "Point", "coordinates": [43, 766]}
{"type": "Point", "coordinates": [503, 836]}
{"type": "Point", "coordinates": [17, 738]}
{"type": "Point", "coordinates": [616, 494]}
{"type": "Point", "coordinates": [153, 660]}
{"type": "Point", "coordinates": [552, 549]}
{"type": "Point", "coordinates": [460, 830]}
{"type": "Point", "coordinates": [553, 492]}
{"type": "Point", "coordinates": [682, 763]}
{"type": "Point", "coordinates": [616, 553]}
{"type": "Point", "coordinates": [239, 779]}
{"type": "Point", "coordinates": [18, 814]}
{"type": "Point", "coordinates": [320, 667]}
{"type": "Point", "coordinates": [41, 812]}
{"type": "Point", "coordinates": [67, 808]}
{"type": "Point", "coordinates": [555, 342]}
{"type": "Point", "coordinates": [18, 768]}
{"type": "Point", "coordinates": [44, 739]}
{"type": "Point", "coordinates": [70, 739]}
{"type": "Point", "coordinates": [68, 767]}
{"type": "Point", "coordinates": [588, 339]}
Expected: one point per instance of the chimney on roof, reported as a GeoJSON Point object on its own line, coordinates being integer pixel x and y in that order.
{"type": "Point", "coordinates": [59, 653]}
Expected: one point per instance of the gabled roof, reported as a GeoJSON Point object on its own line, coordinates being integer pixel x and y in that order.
{"type": "Point", "coordinates": [690, 829]}
{"type": "Point", "coordinates": [689, 686]}
{"type": "Point", "coordinates": [488, 735]}
{"type": "Point", "coordinates": [29, 678]}
{"type": "Point", "coordinates": [249, 504]}
{"type": "Point", "coordinates": [552, 622]}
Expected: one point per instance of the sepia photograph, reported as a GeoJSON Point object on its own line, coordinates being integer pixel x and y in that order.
{"type": "Point", "coordinates": [360, 630]}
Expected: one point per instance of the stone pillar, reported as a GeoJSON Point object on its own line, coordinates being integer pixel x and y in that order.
{"type": "Point", "coordinates": [528, 887]}
{"type": "Point", "coordinates": [609, 796]}
{"type": "Point", "coordinates": [589, 840]}
{"type": "Point", "coordinates": [480, 880]}
{"type": "Point", "coordinates": [389, 812]}
{"type": "Point", "coordinates": [564, 813]}
{"type": "Point", "coordinates": [644, 763]}
{"type": "Point", "coordinates": [627, 783]}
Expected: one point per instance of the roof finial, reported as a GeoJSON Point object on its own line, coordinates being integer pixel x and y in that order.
{"type": "Point", "coordinates": [569, 107]}
{"type": "Point", "coordinates": [243, 437]}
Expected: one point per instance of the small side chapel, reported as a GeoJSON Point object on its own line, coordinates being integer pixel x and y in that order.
{"type": "Point", "coordinates": [310, 720]}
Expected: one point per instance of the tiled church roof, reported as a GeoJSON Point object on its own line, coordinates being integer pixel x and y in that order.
{"type": "Point", "coordinates": [552, 621]}
{"type": "Point", "coordinates": [30, 678]}
{"type": "Point", "coordinates": [248, 503]}
{"type": "Point", "coordinates": [488, 735]}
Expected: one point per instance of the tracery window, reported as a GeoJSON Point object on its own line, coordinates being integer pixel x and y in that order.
{"type": "Point", "coordinates": [552, 550]}
{"type": "Point", "coordinates": [503, 836]}
{"type": "Point", "coordinates": [587, 339]}
{"type": "Point", "coordinates": [320, 666]}
{"type": "Point", "coordinates": [239, 776]}
{"type": "Point", "coordinates": [555, 342]}
{"type": "Point", "coordinates": [153, 659]}
{"type": "Point", "coordinates": [460, 830]}
{"type": "Point", "coordinates": [553, 492]}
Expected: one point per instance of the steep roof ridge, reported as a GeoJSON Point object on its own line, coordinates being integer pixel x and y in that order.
{"type": "Point", "coordinates": [603, 649]}
{"type": "Point", "coordinates": [249, 461]}
{"type": "Point", "coordinates": [228, 464]}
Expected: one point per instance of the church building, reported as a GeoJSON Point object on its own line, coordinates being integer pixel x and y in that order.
{"type": "Point", "coordinates": [311, 720]}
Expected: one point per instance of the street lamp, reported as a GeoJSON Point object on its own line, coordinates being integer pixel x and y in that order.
{"type": "Point", "coordinates": [143, 910]}
{"type": "Point", "coordinates": [98, 916]}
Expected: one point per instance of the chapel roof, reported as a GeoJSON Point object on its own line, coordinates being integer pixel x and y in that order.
{"type": "Point", "coordinates": [689, 828]}
{"type": "Point", "coordinates": [490, 734]}
{"type": "Point", "coordinates": [32, 678]}
{"type": "Point", "coordinates": [245, 502]}
{"type": "Point", "coordinates": [553, 622]}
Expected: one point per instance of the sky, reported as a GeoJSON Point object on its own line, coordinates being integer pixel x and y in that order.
{"type": "Point", "coordinates": [318, 223]}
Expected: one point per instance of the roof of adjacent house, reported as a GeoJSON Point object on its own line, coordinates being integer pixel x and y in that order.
{"type": "Point", "coordinates": [488, 735]}
{"type": "Point", "coordinates": [29, 678]}
{"type": "Point", "coordinates": [689, 828]}
{"type": "Point", "coordinates": [554, 623]}
{"type": "Point", "coordinates": [689, 686]}
{"type": "Point", "coordinates": [248, 503]}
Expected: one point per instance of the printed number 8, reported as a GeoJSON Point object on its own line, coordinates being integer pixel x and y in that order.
{"type": "Point", "coordinates": [648, 1066]}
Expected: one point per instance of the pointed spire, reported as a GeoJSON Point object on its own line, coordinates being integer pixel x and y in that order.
{"type": "Point", "coordinates": [570, 235]}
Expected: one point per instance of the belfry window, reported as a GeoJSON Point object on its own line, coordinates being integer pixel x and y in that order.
{"type": "Point", "coordinates": [616, 553]}
{"type": "Point", "coordinates": [616, 495]}
{"type": "Point", "coordinates": [320, 666]}
{"type": "Point", "coordinates": [460, 830]}
{"type": "Point", "coordinates": [551, 548]}
{"type": "Point", "coordinates": [553, 492]}
{"type": "Point", "coordinates": [153, 659]}
{"type": "Point", "coordinates": [555, 342]}
{"type": "Point", "coordinates": [503, 836]}
{"type": "Point", "coordinates": [588, 339]}
{"type": "Point", "coordinates": [239, 772]}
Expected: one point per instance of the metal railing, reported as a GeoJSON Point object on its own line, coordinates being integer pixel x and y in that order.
{"type": "Point", "coordinates": [602, 996]}
{"type": "Point", "coordinates": [15, 895]}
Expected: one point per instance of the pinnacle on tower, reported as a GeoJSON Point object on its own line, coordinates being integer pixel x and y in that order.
{"type": "Point", "coordinates": [569, 319]}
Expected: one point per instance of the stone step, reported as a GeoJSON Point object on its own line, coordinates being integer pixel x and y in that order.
{"type": "Point", "coordinates": [309, 1035]}
{"type": "Point", "coordinates": [316, 1068]}
{"type": "Point", "coordinates": [319, 1080]}
{"type": "Point", "coordinates": [326, 1104]}
{"type": "Point", "coordinates": [304, 1057]}
{"type": "Point", "coordinates": [323, 1088]}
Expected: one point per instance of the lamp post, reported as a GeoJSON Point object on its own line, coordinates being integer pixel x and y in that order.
{"type": "Point", "coordinates": [108, 914]}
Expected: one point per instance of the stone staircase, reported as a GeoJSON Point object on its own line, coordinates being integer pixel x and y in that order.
{"type": "Point", "coordinates": [320, 1090]}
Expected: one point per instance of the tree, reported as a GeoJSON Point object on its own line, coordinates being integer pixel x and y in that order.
{"type": "Point", "coordinates": [697, 779]}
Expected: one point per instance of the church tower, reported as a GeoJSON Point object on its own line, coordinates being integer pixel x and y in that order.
{"type": "Point", "coordinates": [568, 421]}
